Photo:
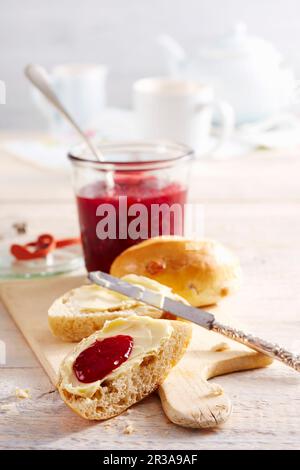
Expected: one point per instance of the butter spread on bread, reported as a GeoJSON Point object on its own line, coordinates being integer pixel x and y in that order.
{"type": "Point", "coordinates": [157, 347]}
{"type": "Point", "coordinates": [81, 311]}
{"type": "Point", "coordinates": [93, 298]}
{"type": "Point", "coordinates": [147, 334]}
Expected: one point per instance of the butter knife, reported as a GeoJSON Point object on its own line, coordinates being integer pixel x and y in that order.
{"type": "Point", "coordinates": [196, 315]}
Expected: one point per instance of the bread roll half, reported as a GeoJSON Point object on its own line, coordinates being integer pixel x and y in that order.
{"type": "Point", "coordinates": [81, 311]}
{"type": "Point", "coordinates": [157, 347]}
{"type": "Point", "coordinates": [200, 271]}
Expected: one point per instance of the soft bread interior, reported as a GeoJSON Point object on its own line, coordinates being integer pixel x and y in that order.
{"type": "Point", "coordinates": [114, 395]}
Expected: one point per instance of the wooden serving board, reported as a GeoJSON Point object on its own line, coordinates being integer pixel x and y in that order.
{"type": "Point", "coordinates": [188, 399]}
{"type": "Point", "coordinates": [28, 303]}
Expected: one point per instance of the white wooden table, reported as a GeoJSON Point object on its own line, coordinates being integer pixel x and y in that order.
{"type": "Point", "coordinates": [253, 206]}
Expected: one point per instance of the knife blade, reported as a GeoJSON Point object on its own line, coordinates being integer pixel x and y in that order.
{"type": "Point", "coordinates": [155, 299]}
{"type": "Point", "coordinates": [196, 315]}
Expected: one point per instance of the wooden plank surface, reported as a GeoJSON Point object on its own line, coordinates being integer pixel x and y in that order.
{"type": "Point", "coordinates": [252, 205]}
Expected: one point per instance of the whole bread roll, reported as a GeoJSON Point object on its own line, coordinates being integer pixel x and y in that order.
{"type": "Point", "coordinates": [201, 271]}
{"type": "Point", "coordinates": [157, 347]}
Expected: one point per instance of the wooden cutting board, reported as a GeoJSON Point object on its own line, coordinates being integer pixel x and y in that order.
{"type": "Point", "coordinates": [188, 399]}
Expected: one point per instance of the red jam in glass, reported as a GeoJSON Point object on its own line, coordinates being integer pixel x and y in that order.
{"type": "Point", "coordinates": [102, 357]}
{"type": "Point", "coordinates": [147, 190]}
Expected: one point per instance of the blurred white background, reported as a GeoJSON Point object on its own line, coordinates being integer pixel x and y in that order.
{"type": "Point", "coordinates": [122, 34]}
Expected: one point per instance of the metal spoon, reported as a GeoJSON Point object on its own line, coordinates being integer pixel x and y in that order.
{"type": "Point", "coordinates": [39, 78]}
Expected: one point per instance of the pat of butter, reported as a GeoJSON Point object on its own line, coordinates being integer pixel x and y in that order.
{"type": "Point", "coordinates": [151, 284]}
{"type": "Point", "coordinates": [90, 299]}
{"type": "Point", "coordinates": [147, 283]}
{"type": "Point", "coordinates": [148, 335]}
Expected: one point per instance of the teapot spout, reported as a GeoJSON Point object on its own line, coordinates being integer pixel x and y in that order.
{"type": "Point", "coordinates": [174, 53]}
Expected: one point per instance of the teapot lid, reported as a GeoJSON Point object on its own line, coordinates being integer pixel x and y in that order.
{"type": "Point", "coordinates": [237, 43]}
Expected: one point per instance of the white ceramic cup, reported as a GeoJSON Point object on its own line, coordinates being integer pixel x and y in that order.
{"type": "Point", "coordinates": [82, 90]}
{"type": "Point", "coordinates": [182, 111]}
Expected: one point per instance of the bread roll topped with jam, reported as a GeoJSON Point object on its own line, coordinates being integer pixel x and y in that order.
{"type": "Point", "coordinates": [121, 364]}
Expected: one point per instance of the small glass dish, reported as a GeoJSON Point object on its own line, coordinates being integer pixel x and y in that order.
{"type": "Point", "coordinates": [58, 261]}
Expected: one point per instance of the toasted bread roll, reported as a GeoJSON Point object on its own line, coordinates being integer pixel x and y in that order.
{"type": "Point", "coordinates": [201, 271]}
{"type": "Point", "coordinates": [157, 347]}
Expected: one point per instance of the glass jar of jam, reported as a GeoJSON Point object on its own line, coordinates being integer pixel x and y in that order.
{"type": "Point", "coordinates": [138, 191]}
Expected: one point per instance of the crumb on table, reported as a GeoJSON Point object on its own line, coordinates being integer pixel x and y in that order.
{"type": "Point", "coordinates": [215, 390]}
{"type": "Point", "coordinates": [129, 429]}
{"type": "Point", "coordinates": [22, 393]}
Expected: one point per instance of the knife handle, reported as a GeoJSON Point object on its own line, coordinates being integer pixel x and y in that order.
{"type": "Point", "coordinates": [258, 344]}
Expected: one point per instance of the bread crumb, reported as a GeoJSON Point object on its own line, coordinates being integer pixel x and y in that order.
{"type": "Point", "coordinates": [215, 391]}
{"type": "Point", "coordinates": [220, 347]}
{"type": "Point", "coordinates": [22, 393]}
{"type": "Point", "coordinates": [10, 408]}
{"type": "Point", "coordinates": [129, 429]}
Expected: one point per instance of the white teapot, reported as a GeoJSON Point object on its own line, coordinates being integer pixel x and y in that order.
{"type": "Point", "coordinates": [245, 70]}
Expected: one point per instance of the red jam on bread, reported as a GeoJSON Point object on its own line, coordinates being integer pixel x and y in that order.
{"type": "Point", "coordinates": [102, 357]}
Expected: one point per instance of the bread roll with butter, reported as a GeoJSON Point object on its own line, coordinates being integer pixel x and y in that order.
{"type": "Point", "coordinates": [157, 345]}
{"type": "Point", "coordinates": [201, 271]}
{"type": "Point", "coordinates": [81, 311]}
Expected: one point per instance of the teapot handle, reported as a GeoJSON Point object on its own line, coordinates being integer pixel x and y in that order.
{"type": "Point", "coordinates": [227, 123]}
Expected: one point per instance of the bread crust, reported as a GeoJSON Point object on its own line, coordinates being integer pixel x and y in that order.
{"type": "Point", "coordinates": [115, 396]}
{"type": "Point", "coordinates": [201, 271]}
{"type": "Point", "coordinates": [75, 328]}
